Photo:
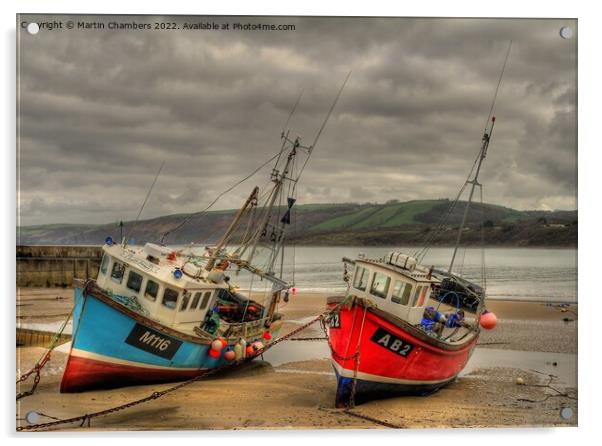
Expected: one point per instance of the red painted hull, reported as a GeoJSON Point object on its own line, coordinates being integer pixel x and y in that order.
{"type": "Point", "coordinates": [382, 370]}
{"type": "Point", "coordinates": [84, 374]}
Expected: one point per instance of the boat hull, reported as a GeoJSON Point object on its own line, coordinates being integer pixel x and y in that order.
{"type": "Point", "coordinates": [112, 346]}
{"type": "Point", "coordinates": [393, 357]}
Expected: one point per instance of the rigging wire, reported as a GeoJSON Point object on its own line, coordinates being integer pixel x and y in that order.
{"type": "Point", "coordinates": [483, 265]}
{"type": "Point", "coordinates": [290, 115]}
{"type": "Point", "coordinates": [439, 228]}
{"type": "Point", "coordinates": [317, 138]}
{"type": "Point", "coordinates": [196, 214]}
{"type": "Point", "coordinates": [499, 83]}
{"type": "Point", "coordinates": [145, 199]}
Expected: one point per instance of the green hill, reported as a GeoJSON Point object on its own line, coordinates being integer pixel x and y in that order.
{"type": "Point", "coordinates": [342, 223]}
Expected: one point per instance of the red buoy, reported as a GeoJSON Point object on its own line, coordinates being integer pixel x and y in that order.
{"type": "Point", "coordinates": [267, 335]}
{"type": "Point", "coordinates": [488, 320]}
{"type": "Point", "coordinates": [229, 355]}
{"type": "Point", "coordinates": [293, 291]}
{"type": "Point", "coordinates": [213, 353]}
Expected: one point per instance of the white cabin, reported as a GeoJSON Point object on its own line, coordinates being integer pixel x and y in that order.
{"type": "Point", "coordinates": [147, 275]}
{"type": "Point", "coordinates": [395, 284]}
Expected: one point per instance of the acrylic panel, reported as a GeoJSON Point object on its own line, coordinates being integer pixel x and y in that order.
{"type": "Point", "coordinates": [295, 222]}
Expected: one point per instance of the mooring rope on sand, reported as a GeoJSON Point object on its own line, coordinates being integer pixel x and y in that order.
{"type": "Point", "coordinates": [364, 417]}
{"type": "Point", "coordinates": [86, 418]}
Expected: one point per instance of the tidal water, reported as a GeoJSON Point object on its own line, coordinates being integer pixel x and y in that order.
{"type": "Point", "coordinates": [546, 275]}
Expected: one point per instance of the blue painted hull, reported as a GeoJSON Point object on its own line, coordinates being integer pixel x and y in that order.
{"type": "Point", "coordinates": [112, 347]}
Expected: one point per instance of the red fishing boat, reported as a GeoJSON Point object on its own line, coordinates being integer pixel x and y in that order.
{"type": "Point", "coordinates": [404, 328]}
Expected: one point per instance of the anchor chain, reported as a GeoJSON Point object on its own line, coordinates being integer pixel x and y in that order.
{"type": "Point", "coordinates": [86, 418]}
{"type": "Point", "coordinates": [37, 368]}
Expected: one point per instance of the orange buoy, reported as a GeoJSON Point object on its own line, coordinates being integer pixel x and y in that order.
{"type": "Point", "coordinates": [250, 350]}
{"type": "Point", "coordinates": [229, 355]}
{"type": "Point", "coordinates": [488, 320]}
{"type": "Point", "coordinates": [214, 353]}
{"type": "Point", "coordinates": [223, 341]}
{"type": "Point", "coordinates": [267, 335]}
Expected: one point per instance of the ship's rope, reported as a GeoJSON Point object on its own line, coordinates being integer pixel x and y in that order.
{"type": "Point", "coordinates": [356, 357]}
{"type": "Point", "coordinates": [483, 264]}
{"type": "Point", "coordinates": [357, 361]}
{"type": "Point", "coordinates": [440, 226]}
{"type": "Point", "coordinates": [150, 190]}
{"type": "Point", "coordinates": [45, 358]}
{"type": "Point", "coordinates": [197, 214]}
{"type": "Point", "coordinates": [86, 418]}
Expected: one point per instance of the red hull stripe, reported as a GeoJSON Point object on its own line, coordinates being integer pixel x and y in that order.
{"type": "Point", "coordinates": [85, 374]}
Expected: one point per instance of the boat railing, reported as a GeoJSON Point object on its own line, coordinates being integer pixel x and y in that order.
{"type": "Point", "coordinates": [243, 329]}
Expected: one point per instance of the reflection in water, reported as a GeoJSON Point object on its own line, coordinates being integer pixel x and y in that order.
{"type": "Point", "coordinates": [565, 368]}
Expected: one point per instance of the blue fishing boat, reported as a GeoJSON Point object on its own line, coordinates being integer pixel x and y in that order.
{"type": "Point", "coordinates": [141, 323]}
{"type": "Point", "coordinates": [158, 314]}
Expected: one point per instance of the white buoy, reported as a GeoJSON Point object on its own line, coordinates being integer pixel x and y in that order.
{"type": "Point", "coordinates": [238, 352]}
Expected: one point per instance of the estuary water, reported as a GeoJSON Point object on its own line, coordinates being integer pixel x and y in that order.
{"type": "Point", "coordinates": [539, 274]}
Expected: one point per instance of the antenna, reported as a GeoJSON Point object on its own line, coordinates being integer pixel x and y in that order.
{"type": "Point", "coordinates": [312, 147]}
{"type": "Point", "coordinates": [145, 199]}
{"type": "Point", "coordinates": [290, 115]}
{"type": "Point", "coordinates": [482, 153]}
{"type": "Point", "coordinates": [334, 103]}
{"type": "Point", "coordinates": [499, 82]}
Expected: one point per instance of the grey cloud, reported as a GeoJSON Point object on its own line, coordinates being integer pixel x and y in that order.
{"type": "Point", "coordinates": [101, 109]}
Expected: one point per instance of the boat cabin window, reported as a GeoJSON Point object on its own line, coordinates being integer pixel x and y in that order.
{"type": "Point", "coordinates": [380, 285]}
{"type": "Point", "coordinates": [105, 264]}
{"type": "Point", "coordinates": [401, 292]}
{"type": "Point", "coordinates": [195, 301]}
{"type": "Point", "coordinates": [361, 278]}
{"type": "Point", "coordinates": [152, 289]}
{"type": "Point", "coordinates": [117, 272]}
{"type": "Point", "coordinates": [185, 300]}
{"type": "Point", "coordinates": [134, 281]}
{"type": "Point", "coordinates": [419, 295]}
{"type": "Point", "coordinates": [205, 300]}
{"type": "Point", "coordinates": [170, 297]}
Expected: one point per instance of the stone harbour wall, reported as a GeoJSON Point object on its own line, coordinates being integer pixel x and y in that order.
{"type": "Point", "coordinates": [56, 266]}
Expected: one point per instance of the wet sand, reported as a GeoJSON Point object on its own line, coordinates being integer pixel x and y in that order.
{"type": "Point", "coordinates": [296, 388]}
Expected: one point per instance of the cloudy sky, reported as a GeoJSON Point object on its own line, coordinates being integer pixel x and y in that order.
{"type": "Point", "coordinates": [101, 109]}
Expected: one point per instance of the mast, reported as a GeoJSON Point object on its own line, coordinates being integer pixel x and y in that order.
{"type": "Point", "coordinates": [483, 152]}
{"type": "Point", "coordinates": [474, 182]}
{"type": "Point", "coordinates": [251, 201]}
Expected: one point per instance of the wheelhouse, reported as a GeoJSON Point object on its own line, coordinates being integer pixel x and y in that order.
{"type": "Point", "coordinates": [182, 303]}
{"type": "Point", "coordinates": [396, 285]}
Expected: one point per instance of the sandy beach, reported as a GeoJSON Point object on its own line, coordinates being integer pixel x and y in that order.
{"type": "Point", "coordinates": [294, 385]}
